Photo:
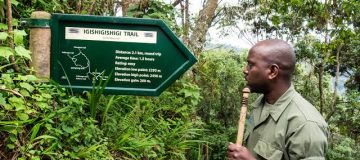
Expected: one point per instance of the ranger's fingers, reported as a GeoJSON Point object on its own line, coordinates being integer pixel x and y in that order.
{"type": "Point", "coordinates": [235, 147]}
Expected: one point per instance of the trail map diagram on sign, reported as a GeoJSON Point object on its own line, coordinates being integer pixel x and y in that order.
{"type": "Point", "coordinates": [82, 63]}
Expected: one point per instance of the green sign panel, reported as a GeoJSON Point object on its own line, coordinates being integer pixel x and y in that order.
{"type": "Point", "coordinates": [143, 55]}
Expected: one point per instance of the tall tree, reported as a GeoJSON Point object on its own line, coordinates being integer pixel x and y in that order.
{"type": "Point", "coordinates": [332, 21]}
{"type": "Point", "coordinates": [202, 25]}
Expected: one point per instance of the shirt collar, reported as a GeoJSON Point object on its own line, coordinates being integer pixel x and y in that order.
{"type": "Point", "coordinates": [279, 106]}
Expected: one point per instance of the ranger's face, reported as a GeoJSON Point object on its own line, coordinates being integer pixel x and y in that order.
{"type": "Point", "coordinates": [256, 71]}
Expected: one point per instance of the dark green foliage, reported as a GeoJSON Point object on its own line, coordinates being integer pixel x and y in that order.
{"type": "Point", "coordinates": [345, 148]}
{"type": "Point", "coordinates": [347, 121]}
{"type": "Point", "coordinates": [39, 120]}
{"type": "Point", "coordinates": [97, 90]}
{"type": "Point", "coordinates": [24, 8]}
{"type": "Point", "coordinates": [155, 9]}
{"type": "Point", "coordinates": [325, 34]}
{"type": "Point", "coordinates": [220, 75]}
{"type": "Point", "coordinates": [160, 128]}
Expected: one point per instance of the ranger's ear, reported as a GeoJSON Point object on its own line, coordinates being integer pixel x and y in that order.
{"type": "Point", "coordinates": [274, 71]}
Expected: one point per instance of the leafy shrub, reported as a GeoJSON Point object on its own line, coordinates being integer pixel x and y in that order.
{"type": "Point", "coordinates": [40, 120]}
{"type": "Point", "coordinates": [155, 127]}
{"type": "Point", "coordinates": [220, 75]}
{"type": "Point", "coordinates": [343, 148]}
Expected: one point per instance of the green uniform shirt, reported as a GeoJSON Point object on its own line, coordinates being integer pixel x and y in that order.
{"type": "Point", "coordinates": [291, 128]}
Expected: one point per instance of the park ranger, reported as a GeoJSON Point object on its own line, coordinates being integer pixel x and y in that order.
{"type": "Point", "coordinates": [283, 125]}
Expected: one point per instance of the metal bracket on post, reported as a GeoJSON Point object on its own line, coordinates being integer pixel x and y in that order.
{"type": "Point", "coordinates": [35, 23]}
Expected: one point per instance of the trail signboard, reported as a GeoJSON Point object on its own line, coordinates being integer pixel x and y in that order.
{"type": "Point", "coordinates": [143, 55]}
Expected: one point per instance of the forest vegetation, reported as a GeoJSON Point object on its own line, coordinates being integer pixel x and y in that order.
{"type": "Point", "coordinates": [197, 116]}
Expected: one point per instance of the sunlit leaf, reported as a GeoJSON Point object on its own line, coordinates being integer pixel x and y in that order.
{"type": "Point", "coordinates": [3, 26]}
{"type": "Point", "coordinates": [2, 100]}
{"type": "Point", "coordinates": [3, 36]}
{"type": "Point", "coordinates": [19, 36]}
{"type": "Point", "coordinates": [19, 107]}
{"type": "Point", "coordinates": [15, 22]}
{"type": "Point", "coordinates": [22, 116]}
{"type": "Point", "coordinates": [30, 111]}
{"type": "Point", "coordinates": [36, 158]}
{"type": "Point", "coordinates": [38, 98]}
{"type": "Point", "coordinates": [28, 78]}
{"type": "Point", "coordinates": [6, 78]}
{"type": "Point", "coordinates": [17, 102]}
{"type": "Point", "coordinates": [10, 146]}
{"type": "Point", "coordinates": [24, 92]}
{"type": "Point", "coordinates": [14, 2]}
{"type": "Point", "coordinates": [45, 137]}
{"type": "Point", "coordinates": [27, 86]}
{"type": "Point", "coordinates": [42, 105]}
{"type": "Point", "coordinates": [6, 52]}
{"type": "Point", "coordinates": [45, 95]}
{"type": "Point", "coordinates": [22, 52]}
{"type": "Point", "coordinates": [67, 129]}
{"type": "Point", "coordinates": [34, 131]}
{"type": "Point", "coordinates": [13, 137]}
{"type": "Point", "coordinates": [8, 107]}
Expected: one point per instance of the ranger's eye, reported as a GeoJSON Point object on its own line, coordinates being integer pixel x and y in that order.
{"type": "Point", "coordinates": [249, 65]}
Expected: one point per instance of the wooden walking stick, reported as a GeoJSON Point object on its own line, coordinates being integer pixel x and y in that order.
{"type": "Point", "coordinates": [244, 103]}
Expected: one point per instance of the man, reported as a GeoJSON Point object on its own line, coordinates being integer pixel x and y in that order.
{"type": "Point", "coordinates": [283, 125]}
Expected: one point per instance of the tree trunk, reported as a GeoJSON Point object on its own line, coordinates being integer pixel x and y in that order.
{"type": "Point", "coordinates": [124, 7]}
{"type": "Point", "coordinates": [202, 24]}
{"type": "Point", "coordinates": [176, 2]}
{"type": "Point", "coordinates": [333, 106]}
{"type": "Point", "coordinates": [186, 22]}
{"type": "Point", "coordinates": [11, 34]}
{"type": "Point", "coordinates": [321, 74]}
{"type": "Point", "coordinates": [79, 6]}
{"type": "Point", "coordinates": [92, 7]}
{"type": "Point", "coordinates": [321, 69]}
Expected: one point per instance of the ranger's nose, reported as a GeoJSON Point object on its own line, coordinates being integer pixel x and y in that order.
{"type": "Point", "coordinates": [245, 71]}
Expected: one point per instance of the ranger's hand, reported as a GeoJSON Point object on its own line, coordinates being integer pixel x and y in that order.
{"type": "Point", "coordinates": [238, 152]}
